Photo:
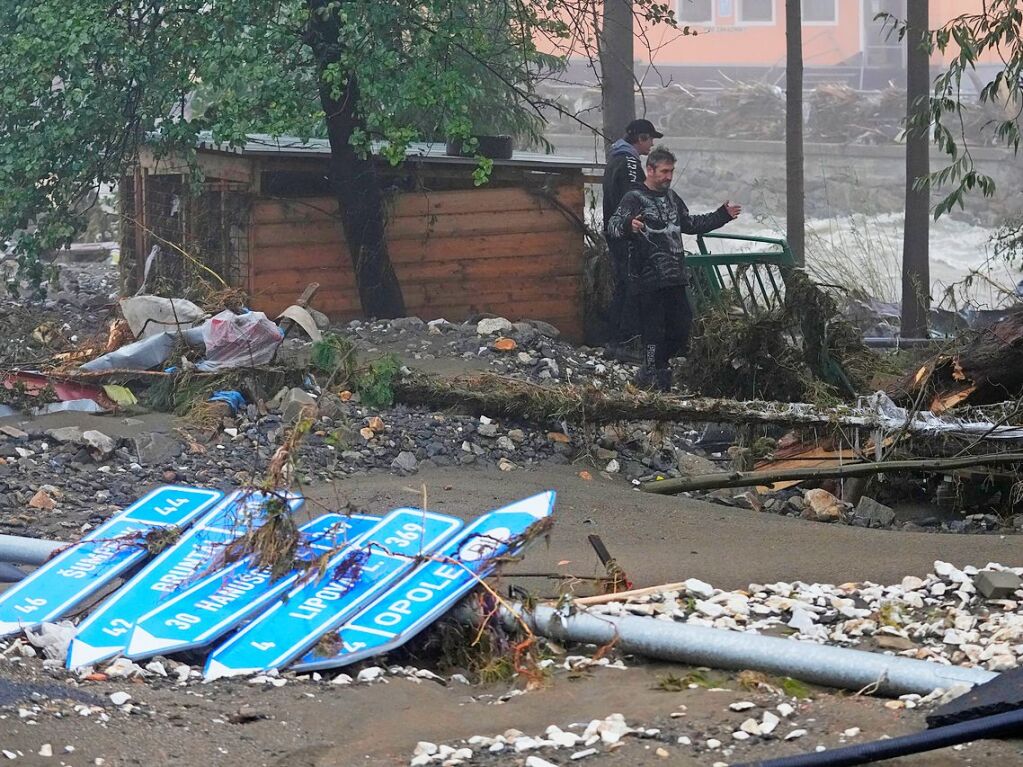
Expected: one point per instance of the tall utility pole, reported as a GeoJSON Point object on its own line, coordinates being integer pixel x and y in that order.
{"type": "Point", "coordinates": [916, 272]}
{"type": "Point", "coordinates": [795, 216]}
{"type": "Point", "coordinates": [615, 48]}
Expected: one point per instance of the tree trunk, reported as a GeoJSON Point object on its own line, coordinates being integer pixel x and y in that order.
{"type": "Point", "coordinates": [354, 178]}
{"type": "Point", "coordinates": [795, 221]}
{"type": "Point", "coordinates": [615, 49]}
{"type": "Point", "coordinates": [916, 279]}
{"type": "Point", "coordinates": [497, 396]}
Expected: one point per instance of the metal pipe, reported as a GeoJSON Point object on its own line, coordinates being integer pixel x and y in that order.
{"type": "Point", "coordinates": [883, 342]}
{"type": "Point", "coordinates": [27, 551]}
{"type": "Point", "coordinates": [9, 573]}
{"type": "Point", "coordinates": [720, 648]}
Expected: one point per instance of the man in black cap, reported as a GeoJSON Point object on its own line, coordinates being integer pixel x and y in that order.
{"type": "Point", "coordinates": [624, 171]}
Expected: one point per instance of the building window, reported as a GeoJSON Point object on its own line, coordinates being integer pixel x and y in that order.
{"type": "Point", "coordinates": [820, 11]}
{"type": "Point", "coordinates": [756, 12]}
{"type": "Point", "coordinates": [696, 11]}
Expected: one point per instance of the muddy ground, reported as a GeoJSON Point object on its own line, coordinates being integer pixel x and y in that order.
{"type": "Point", "coordinates": [49, 717]}
{"type": "Point", "coordinates": [657, 539]}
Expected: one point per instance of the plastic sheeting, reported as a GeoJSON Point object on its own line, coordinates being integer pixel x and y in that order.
{"type": "Point", "coordinates": [149, 316]}
{"type": "Point", "coordinates": [239, 340]}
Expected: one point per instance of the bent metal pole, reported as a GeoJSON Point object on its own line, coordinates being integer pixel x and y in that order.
{"type": "Point", "coordinates": [26, 551]}
{"type": "Point", "coordinates": [721, 648]}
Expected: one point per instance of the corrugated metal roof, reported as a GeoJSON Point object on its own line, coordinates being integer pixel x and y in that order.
{"type": "Point", "coordinates": [260, 144]}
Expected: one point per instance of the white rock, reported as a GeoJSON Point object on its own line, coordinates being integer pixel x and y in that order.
{"type": "Point", "coordinates": [536, 761]}
{"type": "Point", "coordinates": [46, 750]}
{"type": "Point", "coordinates": [525, 743]}
{"type": "Point", "coordinates": [768, 723]}
{"type": "Point", "coordinates": [561, 738]}
{"type": "Point", "coordinates": [613, 728]}
{"type": "Point", "coordinates": [699, 589]}
{"type": "Point", "coordinates": [583, 754]}
{"type": "Point", "coordinates": [795, 734]}
{"type": "Point", "coordinates": [462, 753]}
{"type": "Point", "coordinates": [370, 674]}
{"type": "Point", "coordinates": [709, 609]}
{"type": "Point", "coordinates": [912, 583]}
{"type": "Point", "coordinates": [852, 732]}
{"type": "Point", "coordinates": [802, 621]}
{"type": "Point", "coordinates": [424, 747]}
{"type": "Point", "coordinates": [420, 761]}
{"type": "Point", "coordinates": [785, 710]}
{"type": "Point", "coordinates": [341, 679]}
{"type": "Point", "coordinates": [119, 698]}
{"type": "Point", "coordinates": [952, 637]}
{"type": "Point", "coordinates": [713, 743]}
{"type": "Point", "coordinates": [751, 727]}
{"type": "Point", "coordinates": [742, 705]}
{"type": "Point", "coordinates": [156, 667]}
{"type": "Point", "coordinates": [684, 740]}
{"type": "Point", "coordinates": [491, 325]}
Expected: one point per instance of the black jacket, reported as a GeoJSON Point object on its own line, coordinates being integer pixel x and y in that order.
{"type": "Point", "coordinates": [624, 171]}
{"type": "Point", "coordinates": [656, 256]}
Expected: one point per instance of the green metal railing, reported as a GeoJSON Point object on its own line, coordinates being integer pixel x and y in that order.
{"type": "Point", "coordinates": [752, 280]}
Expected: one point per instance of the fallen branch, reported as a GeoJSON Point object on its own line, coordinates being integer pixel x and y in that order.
{"type": "Point", "coordinates": [749, 478]}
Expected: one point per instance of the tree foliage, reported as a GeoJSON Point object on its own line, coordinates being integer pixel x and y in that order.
{"type": "Point", "coordinates": [967, 39]}
{"type": "Point", "coordinates": [996, 28]}
{"type": "Point", "coordinates": [83, 84]}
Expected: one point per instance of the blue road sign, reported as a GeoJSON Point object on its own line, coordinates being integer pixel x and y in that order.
{"type": "Point", "coordinates": [105, 632]}
{"type": "Point", "coordinates": [211, 607]}
{"type": "Point", "coordinates": [433, 588]}
{"type": "Point", "coordinates": [104, 554]}
{"type": "Point", "coordinates": [351, 578]}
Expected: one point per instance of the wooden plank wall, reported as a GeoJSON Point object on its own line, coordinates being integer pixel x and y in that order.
{"type": "Point", "coordinates": [503, 251]}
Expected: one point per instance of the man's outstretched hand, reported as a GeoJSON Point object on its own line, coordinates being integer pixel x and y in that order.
{"type": "Point", "coordinates": [732, 210]}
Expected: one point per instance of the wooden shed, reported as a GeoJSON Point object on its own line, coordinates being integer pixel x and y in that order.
{"type": "Point", "coordinates": [263, 218]}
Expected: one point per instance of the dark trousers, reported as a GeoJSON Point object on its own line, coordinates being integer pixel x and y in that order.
{"type": "Point", "coordinates": [667, 319]}
{"type": "Point", "coordinates": [623, 313]}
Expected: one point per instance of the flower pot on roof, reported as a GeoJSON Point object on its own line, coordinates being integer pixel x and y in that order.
{"type": "Point", "coordinates": [493, 147]}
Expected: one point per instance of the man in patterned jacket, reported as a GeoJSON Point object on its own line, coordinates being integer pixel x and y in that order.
{"type": "Point", "coordinates": [653, 219]}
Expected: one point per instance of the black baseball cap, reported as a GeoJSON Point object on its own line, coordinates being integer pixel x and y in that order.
{"type": "Point", "coordinates": [642, 125]}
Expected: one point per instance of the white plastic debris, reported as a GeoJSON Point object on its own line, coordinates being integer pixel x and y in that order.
{"type": "Point", "coordinates": [52, 638]}
{"type": "Point", "coordinates": [123, 668]}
